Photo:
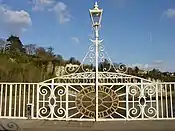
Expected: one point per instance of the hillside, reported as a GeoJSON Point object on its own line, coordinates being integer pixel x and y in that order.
{"type": "Point", "coordinates": [29, 63]}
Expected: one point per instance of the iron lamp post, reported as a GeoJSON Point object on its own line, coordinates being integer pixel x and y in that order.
{"type": "Point", "coordinates": [96, 16]}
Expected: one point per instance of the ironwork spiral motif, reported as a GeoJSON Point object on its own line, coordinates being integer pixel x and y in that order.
{"type": "Point", "coordinates": [91, 54]}
{"type": "Point", "coordinates": [91, 57]}
{"type": "Point", "coordinates": [109, 64]}
{"type": "Point", "coordinates": [11, 126]}
{"type": "Point", "coordinates": [108, 102]}
{"type": "Point", "coordinates": [90, 60]}
{"type": "Point", "coordinates": [122, 68]}
{"type": "Point", "coordinates": [102, 58]}
{"type": "Point", "coordinates": [59, 91]}
{"type": "Point", "coordinates": [59, 112]}
{"type": "Point", "coordinates": [86, 69]}
{"type": "Point", "coordinates": [45, 90]}
{"type": "Point", "coordinates": [150, 90]}
{"type": "Point", "coordinates": [101, 48]}
{"type": "Point", "coordinates": [71, 68]}
{"type": "Point", "coordinates": [144, 107]}
{"type": "Point", "coordinates": [92, 48]}
{"type": "Point", "coordinates": [150, 112]}
{"type": "Point", "coordinates": [134, 112]}
{"type": "Point", "coordinates": [44, 112]}
{"type": "Point", "coordinates": [134, 90]}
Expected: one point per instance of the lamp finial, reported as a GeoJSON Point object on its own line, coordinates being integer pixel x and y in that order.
{"type": "Point", "coordinates": [96, 4]}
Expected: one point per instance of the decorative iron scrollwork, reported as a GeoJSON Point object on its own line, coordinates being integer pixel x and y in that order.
{"type": "Point", "coordinates": [44, 111]}
{"type": "Point", "coordinates": [51, 103]}
{"type": "Point", "coordinates": [142, 104]}
{"type": "Point", "coordinates": [150, 112]}
{"type": "Point", "coordinates": [134, 112]}
{"type": "Point", "coordinates": [59, 112]}
{"type": "Point", "coordinates": [103, 56]}
{"type": "Point", "coordinates": [11, 126]}
{"type": "Point", "coordinates": [88, 62]}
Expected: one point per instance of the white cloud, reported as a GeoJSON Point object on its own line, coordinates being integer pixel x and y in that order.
{"type": "Point", "coordinates": [39, 5]}
{"type": "Point", "coordinates": [170, 13]}
{"type": "Point", "coordinates": [76, 39]}
{"type": "Point", "coordinates": [59, 8]}
{"type": "Point", "coordinates": [62, 12]}
{"type": "Point", "coordinates": [14, 21]}
{"type": "Point", "coordinates": [157, 64]}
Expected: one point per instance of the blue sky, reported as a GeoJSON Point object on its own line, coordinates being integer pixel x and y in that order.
{"type": "Point", "coordinates": [135, 32]}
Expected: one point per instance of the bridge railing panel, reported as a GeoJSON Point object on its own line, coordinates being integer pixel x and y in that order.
{"type": "Point", "coordinates": [18, 100]}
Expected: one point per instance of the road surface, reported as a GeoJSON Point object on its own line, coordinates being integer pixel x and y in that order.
{"type": "Point", "coordinates": [45, 125]}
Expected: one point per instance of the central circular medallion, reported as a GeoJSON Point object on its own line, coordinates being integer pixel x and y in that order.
{"type": "Point", "coordinates": [108, 101]}
{"type": "Point", "coordinates": [94, 101]}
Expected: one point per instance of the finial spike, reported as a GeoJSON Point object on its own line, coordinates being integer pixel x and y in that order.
{"type": "Point", "coordinates": [96, 4]}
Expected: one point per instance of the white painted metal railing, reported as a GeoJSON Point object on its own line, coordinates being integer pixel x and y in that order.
{"type": "Point", "coordinates": [135, 101]}
{"type": "Point", "coordinates": [15, 98]}
{"type": "Point", "coordinates": [84, 93]}
{"type": "Point", "coordinates": [166, 100]}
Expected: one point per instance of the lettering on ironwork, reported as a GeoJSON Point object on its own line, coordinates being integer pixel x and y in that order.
{"type": "Point", "coordinates": [86, 102]}
{"type": "Point", "coordinates": [100, 80]}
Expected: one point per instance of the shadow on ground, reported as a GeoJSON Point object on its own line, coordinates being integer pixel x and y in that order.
{"type": "Point", "coordinates": [45, 125]}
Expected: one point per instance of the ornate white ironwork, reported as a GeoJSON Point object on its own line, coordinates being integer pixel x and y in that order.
{"type": "Point", "coordinates": [94, 90]}
{"type": "Point", "coordinates": [76, 101]}
{"type": "Point", "coordinates": [88, 62]}
{"type": "Point", "coordinates": [142, 104]}
{"type": "Point", "coordinates": [50, 98]}
{"type": "Point", "coordinates": [11, 126]}
{"type": "Point", "coordinates": [103, 77]}
{"type": "Point", "coordinates": [108, 102]}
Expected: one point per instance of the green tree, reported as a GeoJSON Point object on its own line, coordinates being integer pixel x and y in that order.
{"type": "Point", "coordinates": [130, 71]}
{"type": "Point", "coordinates": [41, 52]}
{"type": "Point", "coordinates": [30, 49]}
{"type": "Point", "coordinates": [50, 52]}
{"type": "Point", "coordinates": [4, 45]}
{"type": "Point", "coordinates": [155, 73]}
{"type": "Point", "coordinates": [60, 60]}
{"type": "Point", "coordinates": [104, 66]}
{"type": "Point", "coordinates": [72, 60]}
{"type": "Point", "coordinates": [16, 45]}
{"type": "Point", "coordinates": [136, 70]}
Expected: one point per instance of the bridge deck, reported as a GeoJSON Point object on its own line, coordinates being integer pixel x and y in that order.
{"type": "Point", "coordinates": [43, 125]}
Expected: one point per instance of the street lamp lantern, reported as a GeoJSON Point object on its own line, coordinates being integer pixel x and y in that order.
{"type": "Point", "coordinates": [96, 15]}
